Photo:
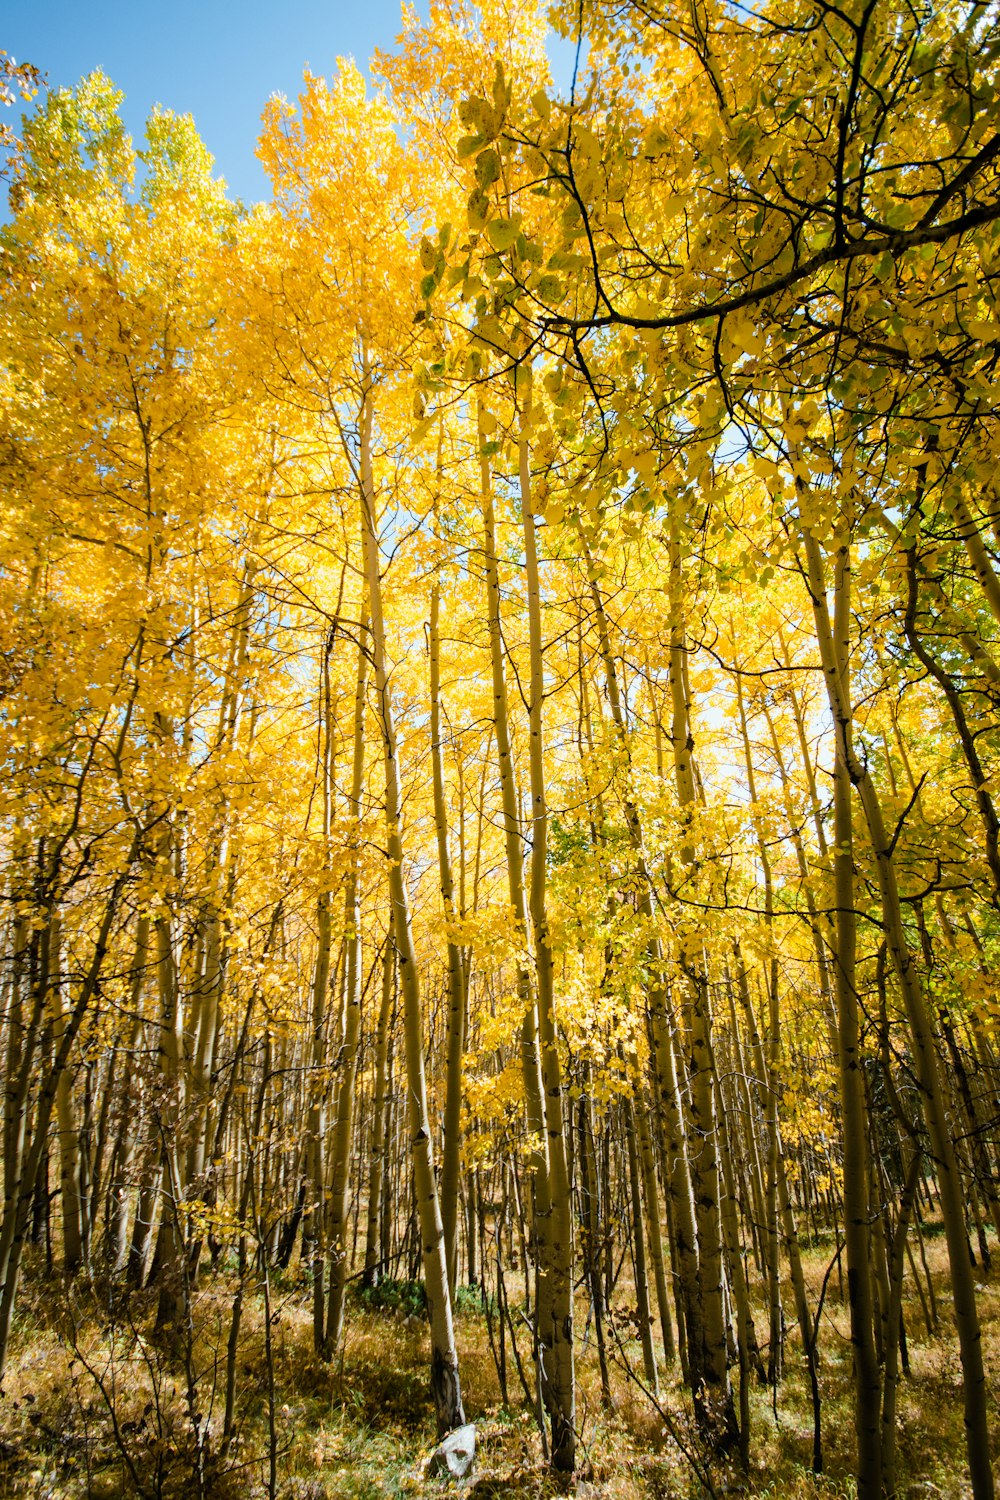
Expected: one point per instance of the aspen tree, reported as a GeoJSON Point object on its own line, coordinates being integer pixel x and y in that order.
{"type": "Point", "coordinates": [376, 1248]}
{"type": "Point", "coordinates": [531, 1067]}
{"type": "Point", "coordinates": [451, 1151]}
{"type": "Point", "coordinates": [639, 1254]}
{"type": "Point", "coordinates": [677, 1175]}
{"type": "Point", "coordinates": [770, 1081]}
{"type": "Point", "coordinates": [561, 1379]}
{"type": "Point", "coordinates": [118, 1185]}
{"type": "Point", "coordinates": [651, 1193]}
{"type": "Point", "coordinates": [445, 1385]}
{"type": "Point", "coordinates": [591, 1237]}
{"type": "Point", "coordinates": [316, 1138]}
{"type": "Point", "coordinates": [713, 1392]}
{"type": "Point", "coordinates": [169, 1271]}
{"type": "Point", "coordinates": [68, 1129]}
{"type": "Point", "coordinates": [833, 645]}
{"type": "Point", "coordinates": [344, 1126]}
{"type": "Point", "coordinates": [206, 1020]}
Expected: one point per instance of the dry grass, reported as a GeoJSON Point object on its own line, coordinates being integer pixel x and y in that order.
{"type": "Point", "coordinates": [358, 1428]}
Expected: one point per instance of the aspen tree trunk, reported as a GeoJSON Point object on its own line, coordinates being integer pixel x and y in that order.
{"type": "Point", "coordinates": [221, 864]}
{"type": "Point", "coordinates": [972, 645]}
{"type": "Point", "coordinates": [530, 1057]}
{"type": "Point", "coordinates": [927, 1067]}
{"type": "Point", "coordinates": [143, 1224]}
{"type": "Point", "coordinates": [18, 1198]}
{"type": "Point", "coordinates": [966, 738]}
{"type": "Point", "coordinates": [981, 1045]}
{"type": "Point", "coordinates": [821, 926]}
{"type": "Point", "coordinates": [208, 1011]}
{"type": "Point", "coordinates": [806, 1328]}
{"type": "Point", "coordinates": [593, 1201]}
{"type": "Point", "coordinates": [68, 1130]}
{"type": "Point", "coordinates": [961, 1109]}
{"type": "Point", "coordinates": [926, 1061]}
{"type": "Point", "coordinates": [713, 1394]}
{"type": "Point", "coordinates": [451, 1151]}
{"type": "Point", "coordinates": [680, 1203]}
{"type": "Point", "coordinates": [978, 555]}
{"type": "Point", "coordinates": [681, 1208]}
{"type": "Point", "coordinates": [562, 1385]}
{"type": "Point", "coordinates": [93, 1142]}
{"type": "Point", "coordinates": [894, 1319]}
{"type": "Point", "coordinates": [169, 1108]}
{"type": "Point", "coordinates": [808, 767]}
{"type": "Point", "coordinates": [651, 1192]}
{"type": "Point", "coordinates": [18, 1042]}
{"type": "Point", "coordinates": [942, 1145]}
{"type": "Point", "coordinates": [639, 1253]}
{"type": "Point", "coordinates": [748, 1353]}
{"type": "Point", "coordinates": [474, 1227]}
{"type": "Point", "coordinates": [392, 1192]}
{"type": "Point", "coordinates": [374, 1249]}
{"type": "Point", "coordinates": [17, 1106]}
{"type": "Point", "coordinates": [473, 1198]}
{"type": "Point", "coordinates": [749, 1103]}
{"type": "Point", "coordinates": [977, 1128]}
{"type": "Point", "coordinates": [344, 1128]}
{"type": "Point", "coordinates": [972, 1101]}
{"type": "Point", "coordinates": [208, 1017]}
{"type": "Point", "coordinates": [170, 1112]}
{"type": "Point", "coordinates": [834, 647]}
{"type": "Point", "coordinates": [591, 1216]}
{"type": "Point", "coordinates": [444, 1357]}
{"type": "Point", "coordinates": [118, 1186]}
{"type": "Point", "coordinates": [315, 1216]}
{"type": "Point", "coordinates": [770, 1082]}
{"type": "Point", "coordinates": [246, 1192]}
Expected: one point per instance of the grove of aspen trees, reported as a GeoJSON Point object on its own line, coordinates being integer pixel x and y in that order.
{"type": "Point", "coordinates": [500, 738]}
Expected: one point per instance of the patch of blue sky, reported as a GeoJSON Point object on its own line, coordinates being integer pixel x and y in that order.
{"type": "Point", "coordinates": [215, 61]}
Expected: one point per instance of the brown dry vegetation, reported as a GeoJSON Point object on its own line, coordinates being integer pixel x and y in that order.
{"type": "Point", "coordinates": [361, 1427]}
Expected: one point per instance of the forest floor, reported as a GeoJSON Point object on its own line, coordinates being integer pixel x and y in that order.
{"type": "Point", "coordinates": [99, 1410]}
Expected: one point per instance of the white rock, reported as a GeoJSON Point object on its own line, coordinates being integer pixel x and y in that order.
{"type": "Point", "coordinates": [455, 1454]}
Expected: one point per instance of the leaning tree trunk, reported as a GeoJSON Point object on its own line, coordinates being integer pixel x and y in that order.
{"type": "Point", "coordinates": [374, 1250]}
{"type": "Point", "coordinates": [562, 1388]}
{"type": "Point", "coordinates": [832, 646]}
{"type": "Point", "coordinates": [68, 1129]}
{"type": "Point", "coordinates": [709, 1365]}
{"type": "Point", "coordinates": [444, 1355]}
{"type": "Point", "coordinates": [680, 1205]}
{"type": "Point", "coordinates": [451, 1149]}
{"type": "Point", "coordinates": [530, 1057]}
{"type": "Point", "coordinates": [344, 1127]}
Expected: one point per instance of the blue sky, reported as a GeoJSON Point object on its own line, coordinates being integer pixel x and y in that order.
{"type": "Point", "coordinates": [219, 62]}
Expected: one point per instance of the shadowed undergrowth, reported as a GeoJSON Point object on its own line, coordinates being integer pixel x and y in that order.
{"type": "Point", "coordinates": [98, 1407]}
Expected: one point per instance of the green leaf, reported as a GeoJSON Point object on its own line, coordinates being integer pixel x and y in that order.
{"type": "Point", "coordinates": [487, 168]}
{"type": "Point", "coordinates": [502, 233]}
{"type": "Point", "coordinates": [479, 207]}
{"type": "Point", "coordinates": [549, 289]}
